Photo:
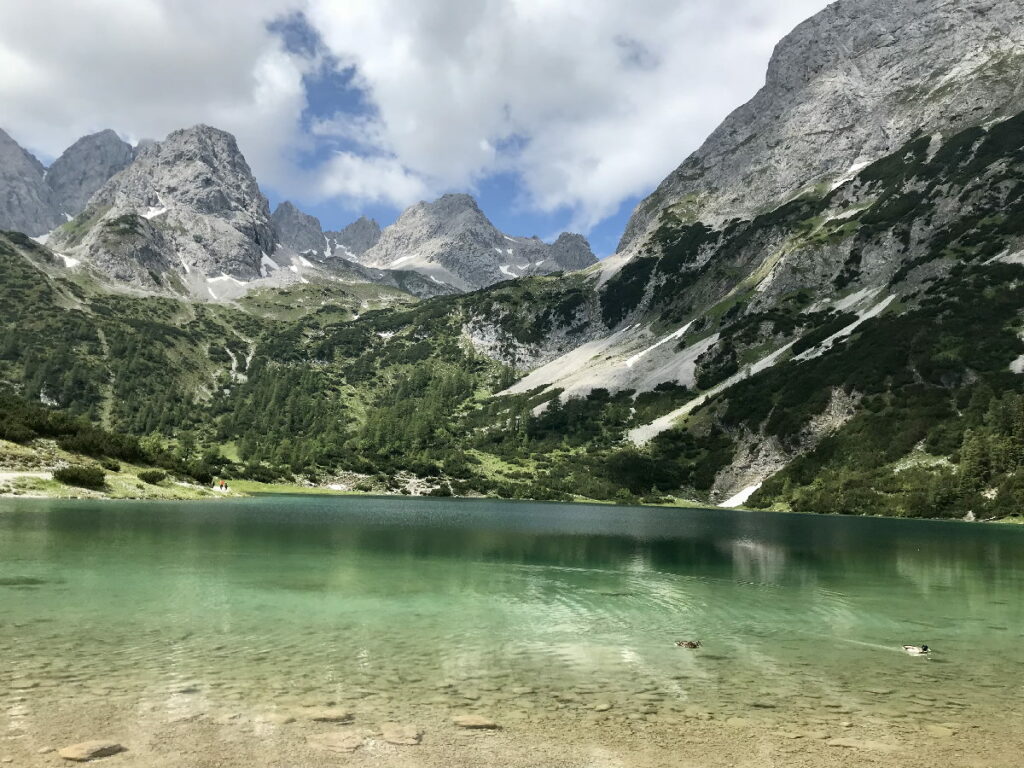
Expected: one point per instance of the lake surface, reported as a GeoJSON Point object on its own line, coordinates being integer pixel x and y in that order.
{"type": "Point", "coordinates": [539, 616]}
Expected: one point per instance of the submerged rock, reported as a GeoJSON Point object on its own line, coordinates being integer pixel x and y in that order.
{"type": "Point", "coordinates": [330, 715]}
{"type": "Point", "coordinates": [338, 742]}
{"type": "Point", "coordinates": [478, 722]}
{"type": "Point", "coordinates": [864, 744]}
{"type": "Point", "coordinates": [91, 750]}
{"type": "Point", "coordinates": [403, 735]}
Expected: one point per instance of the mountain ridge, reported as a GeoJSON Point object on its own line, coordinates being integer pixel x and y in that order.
{"type": "Point", "coordinates": [847, 86]}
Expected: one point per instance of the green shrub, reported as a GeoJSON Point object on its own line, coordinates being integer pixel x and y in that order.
{"type": "Point", "coordinates": [110, 465]}
{"type": "Point", "coordinates": [153, 476]}
{"type": "Point", "coordinates": [82, 476]}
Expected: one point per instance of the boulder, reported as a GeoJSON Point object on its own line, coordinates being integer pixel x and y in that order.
{"type": "Point", "coordinates": [90, 750]}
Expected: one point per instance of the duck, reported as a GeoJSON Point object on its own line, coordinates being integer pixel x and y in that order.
{"type": "Point", "coordinates": [688, 643]}
{"type": "Point", "coordinates": [917, 650]}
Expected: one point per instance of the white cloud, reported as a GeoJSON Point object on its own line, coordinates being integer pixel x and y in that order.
{"type": "Point", "coordinates": [368, 179]}
{"type": "Point", "coordinates": [594, 101]}
{"type": "Point", "coordinates": [148, 67]}
{"type": "Point", "coordinates": [589, 102]}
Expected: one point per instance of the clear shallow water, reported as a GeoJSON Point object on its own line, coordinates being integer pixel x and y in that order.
{"type": "Point", "coordinates": [529, 611]}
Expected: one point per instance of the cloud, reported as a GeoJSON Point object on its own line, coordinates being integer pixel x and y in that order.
{"type": "Point", "coordinates": [586, 103]}
{"type": "Point", "coordinates": [147, 67]}
{"type": "Point", "coordinates": [375, 179]}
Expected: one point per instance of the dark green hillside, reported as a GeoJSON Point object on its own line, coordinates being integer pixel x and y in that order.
{"type": "Point", "coordinates": [315, 380]}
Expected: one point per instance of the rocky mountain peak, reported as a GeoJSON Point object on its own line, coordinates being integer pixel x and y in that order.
{"type": "Point", "coordinates": [452, 241]}
{"type": "Point", "coordinates": [86, 166]}
{"type": "Point", "coordinates": [848, 86]}
{"type": "Point", "coordinates": [297, 230]}
{"type": "Point", "coordinates": [26, 202]}
{"type": "Point", "coordinates": [357, 238]}
{"type": "Point", "coordinates": [572, 251]}
{"type": "Point", "coordinates": [190, 203]}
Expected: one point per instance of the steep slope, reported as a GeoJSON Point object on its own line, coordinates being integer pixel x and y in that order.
{"type": "Point", "coordinates": [453, 242]}
{"type": "Point", "coordinates": [299, 231]}
{"type": "Point", "coordinates": [84, 167]}
{"type": "Point", "coordinates": [848, 86]}
{"type": "Point", "coordinates": [185, 212]}
{"type": "Point", "coordinates": [26, 202]}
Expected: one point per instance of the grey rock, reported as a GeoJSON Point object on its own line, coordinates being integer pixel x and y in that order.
{"type": "Point", "coordinates": [26, 202]}
{"type": "Point", "coordinates": [402, 735]}
{"type": "Point", "coordinates": [848, 86]}
{"type": "Point", "coordinates": [474, 722]}
{"type": "Point", "coordinates": [571, 252]}
{"type": "Point", "coordinates": [299, 231]}
{"type": "Point", "coordinates": [330, 715]}
{"type": "Point", "coordinates": [84, 167]}
{"type": "Point", "coordinates": [453, 242]}
{"type": "Point", "coordinates": [188, 205]}
{"type": "Point", "coordinates": [90, 750]}
{"type": "Point", "coordinates": [355, 239]}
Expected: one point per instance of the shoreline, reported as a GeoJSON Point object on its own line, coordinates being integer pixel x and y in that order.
{"type": "Point", "coordinates": [247, 489]}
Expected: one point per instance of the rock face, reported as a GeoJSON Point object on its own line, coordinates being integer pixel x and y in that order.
{"type": "Point", "coordinates": [84, 167]}
{"type": "Point", "coordinates": [26, 202]}
{"type": "Point", "coordinates": [453, 242]}
{"type": "Point", "coordinates": [299, 231]}
{"type": "Point", "coordinates": [357, 238]}
{"type": "Point", "coordinates": [846, 87]}
{"type": "Point", "coordinates": [188, 206]}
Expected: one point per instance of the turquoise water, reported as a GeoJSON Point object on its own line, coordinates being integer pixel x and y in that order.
{"type": "Point", "coordinates": [524, 610]}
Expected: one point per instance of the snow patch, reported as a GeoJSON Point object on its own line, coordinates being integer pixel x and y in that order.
{"type": "Point", "coordinates": [42, 238]}
{"type": "Point", "coordinates": [862, 317]}
{"type": "Point", "coordinates": [305, 262]}
{"type": "Point", "coordinates": [268, 263]}
{"type": "Point", "coordinates": [439, 282]}
{"type": "Point", "coordinates": [225, 278]}
{"type": "Point", "coordinates": [69, 261]}
{"type": "Point", "coordinates": [742, 497]}
{"type": "Point", "coordinates": [293, 268]}
{"type": "Point", "coordinates": [153, 212]}
{"type": "Point", "coordinates": [850, 174]}
{"type": "Point", "coordinates": [498, 249]}
{"type": "Point", "coordinates": [677, 335]}
{"type": "Point", "coordinates": [402, 260]}
{"type": "Point", "coordinates": [510, 239]}
{"type": "Point", "coordinates": [505, 270]}
{"type": "Point", "coordinates": [647, 432]}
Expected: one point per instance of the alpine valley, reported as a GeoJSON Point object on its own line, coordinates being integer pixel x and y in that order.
{"type": "Point", "coordinates": [819, 310]}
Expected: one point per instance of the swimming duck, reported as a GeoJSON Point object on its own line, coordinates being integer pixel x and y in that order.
{"type": "Point", "coordinates": [688, 643]}
{"type": "Point", "coordinates": [916, 650]}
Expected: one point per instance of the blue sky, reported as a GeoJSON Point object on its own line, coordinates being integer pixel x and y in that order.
{"type": "Point", "coordinates": [332, 88]}
{"type": "Point", "coordinates": [555, 114]}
